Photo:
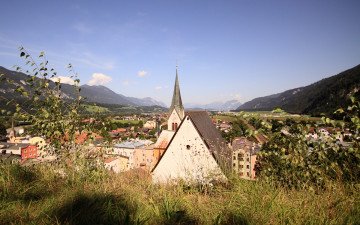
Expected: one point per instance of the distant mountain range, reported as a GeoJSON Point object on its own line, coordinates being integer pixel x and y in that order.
{"type": "Point", "coordinates": [324, 96]}
{"type": "Point", "coordinates": [218, 106]}
{"type": "Point", "coordinates": [97, 93]}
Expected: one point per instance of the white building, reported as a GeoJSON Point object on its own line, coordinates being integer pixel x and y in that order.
{"type": "Point", "coordinates": [196, 153]}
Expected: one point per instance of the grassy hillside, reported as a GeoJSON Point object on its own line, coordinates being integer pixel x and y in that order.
{"type": "Point", "coordinates": [37, 195]}
{"type": "Point", "coordinates": [324, 96]}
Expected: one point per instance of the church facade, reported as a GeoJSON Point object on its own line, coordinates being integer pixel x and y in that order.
{"type": "Point", "coordinates": [196, 151]}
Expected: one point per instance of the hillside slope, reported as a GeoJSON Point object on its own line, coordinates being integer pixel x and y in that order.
{"type": "Point", "coordinates": [324, 96]}
{"type": "Point", "coordinates": [97, 93]}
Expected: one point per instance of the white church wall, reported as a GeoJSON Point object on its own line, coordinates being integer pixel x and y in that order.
{"type": "Point", "coordinates": [187, 158]}
{"type": "Point", "coordinates": [173, 118]}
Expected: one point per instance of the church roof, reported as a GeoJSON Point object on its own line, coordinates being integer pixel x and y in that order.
{"type": "Point", "coordinates": [176, 102]}
{"type": "Point", "coordinates": [212, 138]}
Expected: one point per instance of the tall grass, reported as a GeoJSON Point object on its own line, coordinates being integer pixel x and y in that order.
{"type": "Point", "coordinates": [38, 195]}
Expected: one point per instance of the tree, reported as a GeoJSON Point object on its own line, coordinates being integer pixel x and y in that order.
{"type": "Point", "coordinates": [52, 117]}
{"type": "Point", "coordinates": [2, 129]}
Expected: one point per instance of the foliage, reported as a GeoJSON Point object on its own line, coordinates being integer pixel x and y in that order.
{"type": "Point", "coordinates": [51, 116]}
{"type": "Point", "coordinates": [2, 129]}
{"type": "Point", "coordinates": [298, 161]}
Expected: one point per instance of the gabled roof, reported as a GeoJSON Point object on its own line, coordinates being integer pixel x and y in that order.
{"type": "Point", "coordinates": [164, 139]}
{"type": "Point", "coordinates": [176, 102]}
{"type": "Point", "coordinates": [210, 135]}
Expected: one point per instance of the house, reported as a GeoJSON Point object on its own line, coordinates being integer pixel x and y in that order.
{"type": "Point", "coordinates": [8, 158]}
{"type": "Point", "coordinates": [118, 164]}
{"type": "Point", "coordinates": [244, 157]}
{"type": "Point", "coordinates": [29, 152]}
{"type": "Point", "coordinates": [225, 126]}
{"type": "Point", "coordinates": [24, 150]}
{"type": "Point", "coordinates": [325, 132]}
{"type": "Point", "coordinates": [162, 143]}
{"type": "Point", "coordinates": [125, 149]}
{"type": "Point", "coordinates": [144, 157]}
{"type": "Point", "coordinates": [196, 153]}
{"type": "Point", "coordinates": [150, 124]}
{"type": "Point", "coordinates": [16, 130]}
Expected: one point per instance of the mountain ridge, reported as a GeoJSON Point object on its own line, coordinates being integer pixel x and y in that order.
{"type": "Point", "coordinates": [323, 96]}
{"type": "Point", "coordinates": [95, 93]}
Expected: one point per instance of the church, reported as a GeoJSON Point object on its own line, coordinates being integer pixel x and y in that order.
{"type": "Point", "coordinates": [195, 151]}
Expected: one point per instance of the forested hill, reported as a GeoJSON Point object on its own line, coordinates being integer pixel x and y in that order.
{"type": "Point", "coordinates": [99, 93]}
{"type": "Point", "coordinates": [324, 96]}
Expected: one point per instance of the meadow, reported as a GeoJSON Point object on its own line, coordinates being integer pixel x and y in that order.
{"type": "Point", "coordinates": [39, 195]}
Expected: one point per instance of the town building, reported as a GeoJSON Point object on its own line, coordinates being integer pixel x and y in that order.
{"type": "Point", "coordinates": [117, 164]}
{"type": "Point", "coordinates": [162, 143]}
{"type": "Point", "coordinates": [244, 157]}
{"type": "Point", "coordinates": [24, 150]}
{"type": "Point", "coordinates": [196, 153]}
{"type": "Point", "coordinates": [144, 157]}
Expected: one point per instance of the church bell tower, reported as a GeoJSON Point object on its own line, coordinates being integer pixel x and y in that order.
{"type": "Point", "coordinates": [176, 112]}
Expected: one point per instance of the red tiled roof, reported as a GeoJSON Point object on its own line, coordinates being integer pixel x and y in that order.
{"type": "Point", "coordinates": [110, 160]}
{"type": "Point", "coordinates": [164, 139]}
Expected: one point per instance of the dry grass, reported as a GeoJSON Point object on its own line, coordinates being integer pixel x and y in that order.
{"type": "Point", "coordinates": [40, 196]}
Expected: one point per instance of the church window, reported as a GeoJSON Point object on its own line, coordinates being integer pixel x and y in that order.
{"type": "Point", "coordinates": [188, 147]}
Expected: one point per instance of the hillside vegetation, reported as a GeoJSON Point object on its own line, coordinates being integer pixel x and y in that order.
{"type": "Point", "coordinates": [38, 195]}
{"type": "Point", "coordinates": [324, 96]}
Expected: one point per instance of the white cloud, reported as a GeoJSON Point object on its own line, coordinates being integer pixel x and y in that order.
{"type": "Point", "coordinates": [142, 73]}
{"type": "Point", "coordinates": [166, 86]}
{"type": "Point", "coordinates": [126, 83]}
{"type": "Point", "coordinates": [158, 87]}
{"type": "Point", "coordinates": [64, 80]}
{"type": "Point", "coordinates": [99, 79]}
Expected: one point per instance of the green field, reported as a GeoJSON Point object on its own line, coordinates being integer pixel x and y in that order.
{"type": "Point", "coordinates": [224, 118]}
{"type": "Point", "coordinates": [95, 109]}
{"type": "Point", "coordinates": [230, 118]}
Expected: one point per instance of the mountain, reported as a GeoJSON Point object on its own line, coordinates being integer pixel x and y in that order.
{"type": "Point", "coordinates": [146, 101]}
{"type": "Point", "coordinates": [97, 93]}
{"type": "Point", "coordinates": [324, 96]}
{"type": "Point", "coordinates": [219, 106]}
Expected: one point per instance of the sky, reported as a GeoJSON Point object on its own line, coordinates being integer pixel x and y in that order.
{"type": "Point", "coordinates": [224, 50]}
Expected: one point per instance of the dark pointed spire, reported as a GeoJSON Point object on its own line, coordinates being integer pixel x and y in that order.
{"type": "Point", "coordinates": [176, 102]}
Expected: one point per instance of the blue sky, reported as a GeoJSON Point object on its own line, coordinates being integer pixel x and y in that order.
{"type": "Point", "coordinates": [225, 49]}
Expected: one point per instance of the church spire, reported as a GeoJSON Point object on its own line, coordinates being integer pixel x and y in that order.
{"type": "Point", "coordinates": [176, 102]}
